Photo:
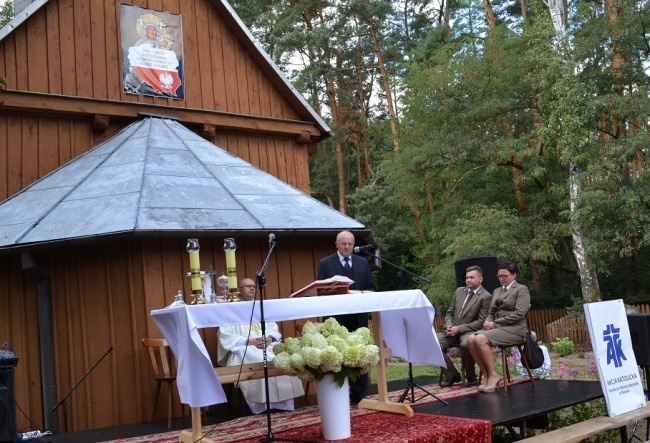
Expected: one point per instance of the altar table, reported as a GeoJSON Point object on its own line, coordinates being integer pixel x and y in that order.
{"type": "Point", "coordinates": [403, 319]}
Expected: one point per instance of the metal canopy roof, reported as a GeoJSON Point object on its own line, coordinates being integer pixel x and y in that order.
{"type": "Point", "coordinates": [155, 177]}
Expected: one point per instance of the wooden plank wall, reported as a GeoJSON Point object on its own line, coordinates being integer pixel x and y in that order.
{"type": "Point", "coordinates": [31, 147]}
{"type": "Point", "coordinates": [102, 294]}
{"type": "Point", "coordinates": [72, 47]}
{"type": "Point", "coordinates": [101, 297]}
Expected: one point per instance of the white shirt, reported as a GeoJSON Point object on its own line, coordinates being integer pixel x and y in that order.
{"type": "Point", "coordinates": [342, 259]}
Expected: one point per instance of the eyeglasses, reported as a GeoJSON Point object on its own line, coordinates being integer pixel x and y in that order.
{"type": "Point", "coordinates": [500, 277]}
{"type": "Point", "coordinates": [247, 286]}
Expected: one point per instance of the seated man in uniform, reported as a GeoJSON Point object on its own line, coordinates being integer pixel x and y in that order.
{"type": "Point", "coordinates": [466, 314]}
{"type": "Point", "coordinates": [243, 343]}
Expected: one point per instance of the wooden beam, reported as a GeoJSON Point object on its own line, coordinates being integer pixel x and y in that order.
{"type": "Point", "coordinates": [303, 138]}
{"type": "Point", "coordinates": [249, 371]}
{"type": "Point", "coordinates": [12, 101]}
{"type": "Point", "coordinates": [100, 123]}
{"type": "Point", "coordinates": [585, 429]}
{"type": "Point", "coordinates": [208, 131]}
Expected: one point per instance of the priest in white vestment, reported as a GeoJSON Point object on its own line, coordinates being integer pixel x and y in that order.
{"type": "Point", "coordinates": [244, 342]}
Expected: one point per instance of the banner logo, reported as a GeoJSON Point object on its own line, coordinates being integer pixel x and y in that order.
{"type": "Point", "coordinates": [612, 338]}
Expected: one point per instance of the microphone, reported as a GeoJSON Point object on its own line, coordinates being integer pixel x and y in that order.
{"type": "Point", "coordinates": [358, 249]}
{"type": "Point", "coordinates": [271, 238]}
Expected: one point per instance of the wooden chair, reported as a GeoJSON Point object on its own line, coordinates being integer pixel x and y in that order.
{"type": "Point", "coordinates": [163, 373]}
{"type": "Point", "coordinates": [504, 362]}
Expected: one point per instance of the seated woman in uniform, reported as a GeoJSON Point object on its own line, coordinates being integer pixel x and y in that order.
{"type": "Point", "coordinates": [505, 323]}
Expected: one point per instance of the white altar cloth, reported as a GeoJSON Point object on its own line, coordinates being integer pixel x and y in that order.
{"type": "Point", "coordinates": [406, 318]}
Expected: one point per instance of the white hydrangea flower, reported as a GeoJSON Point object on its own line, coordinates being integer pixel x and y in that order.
{"type": "Point", "coordinates": [327, 348]}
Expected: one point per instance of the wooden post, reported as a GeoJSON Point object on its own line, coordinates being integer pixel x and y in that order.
{"type": "Point", "coordinates": [382, 403]}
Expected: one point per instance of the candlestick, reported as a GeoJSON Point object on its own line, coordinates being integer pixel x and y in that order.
{"type": "Point", "coordinates": [195, 269]}
{"type": "Point", "coordinates": [230, 247]}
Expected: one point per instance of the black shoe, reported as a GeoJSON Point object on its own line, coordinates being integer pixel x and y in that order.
{"type": "Point", "coordinates": [471, 382]}
{"type": "Point", "coordinates": [451, 381]}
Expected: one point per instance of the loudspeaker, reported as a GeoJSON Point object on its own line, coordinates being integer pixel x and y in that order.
{"type": "Point", "coordinates": [487, 264]}
{"type": "Point", "coordinates": [7, 405]}
{"type": "Point", "coordinates": [640, 334]}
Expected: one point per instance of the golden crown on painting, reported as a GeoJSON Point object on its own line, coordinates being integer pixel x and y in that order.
{"type": "Point", "coordinates": [147, 20]}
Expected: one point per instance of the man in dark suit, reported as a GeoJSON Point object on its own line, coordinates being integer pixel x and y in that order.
{"type": "Point", "coordinates": [466, 314]}
{"type": "Point", "coordinates": [343, 262]}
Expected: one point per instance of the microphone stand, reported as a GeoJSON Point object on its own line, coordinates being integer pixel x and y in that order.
{"type": "Point", "coordinates": [261, 282]}
{"type": "Point", "coordinates": [63, 400]}
{"type": "Point", "coordinates": [410, 382]}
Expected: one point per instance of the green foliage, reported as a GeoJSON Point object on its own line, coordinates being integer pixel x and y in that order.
{"type": "Point", "coordinates": [6, 12]}
{"type": "Point", "coordinates": [490, 121]}
{"type": "Point", "coordinates": [563, 346]}
{"type": "Point", "coordinates": [582, 412]}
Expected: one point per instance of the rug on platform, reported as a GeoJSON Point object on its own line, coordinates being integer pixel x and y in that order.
{"type": "Point", "coordinates": [394, 428]}
{"type": "Point", "coordinates": [307, 420]}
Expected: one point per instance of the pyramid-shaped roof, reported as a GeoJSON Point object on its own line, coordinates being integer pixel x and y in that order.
{"type": "Point", "coordinates": [158, 177]}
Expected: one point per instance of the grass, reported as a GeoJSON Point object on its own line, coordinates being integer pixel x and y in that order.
{"type": "Point", "coordinates": [396, 370]}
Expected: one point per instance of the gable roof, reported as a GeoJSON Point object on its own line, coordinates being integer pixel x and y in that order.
{"type": "Point", "coordinates": [248, 41]}
{"type": "Point", "coordinates": [158, 177]}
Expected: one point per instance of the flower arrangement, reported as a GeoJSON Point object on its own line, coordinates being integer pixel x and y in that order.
{"type": "Point", "coordinates": [327, 348]}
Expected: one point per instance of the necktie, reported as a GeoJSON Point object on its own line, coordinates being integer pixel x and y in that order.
{"type": "Point", "coordinates": [503, 289]}
{"type": "Point", "coordinates": [469, 294]}
{"type": "Point", "coordinates": [347, 266]}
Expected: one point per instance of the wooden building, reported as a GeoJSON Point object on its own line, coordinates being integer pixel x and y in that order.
{"type": "Point", "coordinates": [66, 300]}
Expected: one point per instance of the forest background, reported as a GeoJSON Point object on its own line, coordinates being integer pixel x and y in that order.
{"type": "Point", "coordinates": [467, 128]}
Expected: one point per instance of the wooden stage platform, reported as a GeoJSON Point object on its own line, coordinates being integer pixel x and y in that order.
{"type": "Point", "coordinates": [522, 404]}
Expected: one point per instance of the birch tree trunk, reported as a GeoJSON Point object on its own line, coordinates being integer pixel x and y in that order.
{"type": "Point", "coordinates": [588, 276]}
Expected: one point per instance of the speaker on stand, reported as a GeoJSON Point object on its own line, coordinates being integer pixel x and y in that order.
{"type": "Point", "coordinates": [640, 333]}
{"type": "Point", "coordinates": [7, 405]}
{"type": "Point", "coordinates": [487, 264]}
{"type": "Point", "coordinates": [639, 324]}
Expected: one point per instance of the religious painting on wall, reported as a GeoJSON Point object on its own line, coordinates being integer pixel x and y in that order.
{"type": "Point", "coordinates": [152, 52]}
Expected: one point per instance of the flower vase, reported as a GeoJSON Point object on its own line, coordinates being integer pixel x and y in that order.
{"type": "Point", "coordinates": [334, 407]}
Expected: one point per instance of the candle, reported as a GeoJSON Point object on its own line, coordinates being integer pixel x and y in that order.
{"type": "Point", "coordinates": [231, 267]}
{"type": "Point", "coordinates": [195, 265]}
{"type": "Point", "coordinates": [230, 247]}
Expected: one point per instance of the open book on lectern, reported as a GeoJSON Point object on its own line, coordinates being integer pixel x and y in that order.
{"type": "Point", "coordinates": [339, 284]}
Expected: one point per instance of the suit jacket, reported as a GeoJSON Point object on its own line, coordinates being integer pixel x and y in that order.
{"type": "Point", "coordinates": [509, 308]}
{"type": "Point", "coordinates": [473, 314]}
{"type": "Point", "coordinates": [330, 266]}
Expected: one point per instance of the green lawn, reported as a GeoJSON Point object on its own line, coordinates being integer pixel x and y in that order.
{"type": "Point", "coordinates": [574, 367]}
{"type": "Point", "coordinates": [399, 371]}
